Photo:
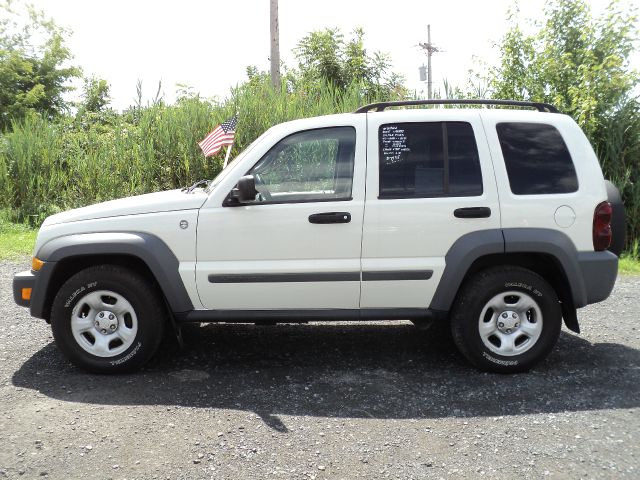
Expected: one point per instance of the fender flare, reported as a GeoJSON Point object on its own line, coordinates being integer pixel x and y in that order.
{"type": "Point", "coordinates": [464, 251]}
{"type": "Point", "coordinates": [472, 246]}
{"type": "Point", "coordinates": [150, 249]}
{"type": "Point", "coordinates": [555, 244]}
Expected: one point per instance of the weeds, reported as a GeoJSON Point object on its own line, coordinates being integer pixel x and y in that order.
{"type": "Point", "coordinates": [46, 167]}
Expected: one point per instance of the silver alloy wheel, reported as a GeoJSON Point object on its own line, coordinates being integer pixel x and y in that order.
{"type": "Point", "coordinates": [104, 323]}
{"type": "Point", "coordinates": [510, 323]}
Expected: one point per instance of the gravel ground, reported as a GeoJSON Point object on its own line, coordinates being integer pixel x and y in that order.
{"type": "Point", "coordinates": [376, 400]}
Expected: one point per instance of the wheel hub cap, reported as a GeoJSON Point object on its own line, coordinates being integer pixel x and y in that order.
{"type": "Point", "coordinates": [508, 321]}
{"type": "Point", "coordinates": [106, 322]}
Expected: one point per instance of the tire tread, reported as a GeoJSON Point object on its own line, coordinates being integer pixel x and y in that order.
{"type": "Point", "coordinates": [146, 294]}
{"type": "Point", "coordinates": [470, 295]}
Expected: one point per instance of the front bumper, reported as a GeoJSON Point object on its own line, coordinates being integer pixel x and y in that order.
{"type": "Point", "coordinates": [23, 280]}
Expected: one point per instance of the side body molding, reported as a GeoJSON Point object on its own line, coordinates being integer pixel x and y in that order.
{"type": "Point", "coordinates": [150, 249]}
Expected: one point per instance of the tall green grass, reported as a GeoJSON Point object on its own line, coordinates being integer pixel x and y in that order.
{"type": "Point", "coordinates": [49, 166]}
{"type": "Point", "coordinates": [46, 167]}
{"type": "Point", "coordinates": [617, 144]}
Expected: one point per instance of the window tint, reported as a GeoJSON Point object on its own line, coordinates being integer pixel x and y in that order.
{"type": "Point", "coordinates": [536, 158]}
{"type": "Point", "coordinates": [313, 165]}
{"type": "Point", "coordinates": [428, 160]}
{"type": "Point", "coordinates": [465, 178]}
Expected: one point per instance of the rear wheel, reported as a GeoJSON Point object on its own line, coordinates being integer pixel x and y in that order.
{"type": "Point", "coordinates": [108, 319]}
{"type": "Point", "coordinates": [506, 319]}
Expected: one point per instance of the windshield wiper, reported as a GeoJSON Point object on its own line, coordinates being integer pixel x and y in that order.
{"type": "Point", "coordinates": [196, 185]}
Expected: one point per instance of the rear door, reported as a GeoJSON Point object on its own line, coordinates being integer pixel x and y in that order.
{"type": "Point", "coordinates": [430, 181]}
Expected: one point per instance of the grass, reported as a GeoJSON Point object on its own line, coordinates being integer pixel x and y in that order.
{"type": "Point", "coordinates": [16, 240]}
{"type": "Point", "coordinates": [630, 260]}
{"type": "Point", "coordinates": [47, 166]}
{"type": "Point", "coordinates": [629, 266]}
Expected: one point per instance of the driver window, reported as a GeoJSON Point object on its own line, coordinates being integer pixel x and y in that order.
{"type": "Point", "coordinates": [313, 165]}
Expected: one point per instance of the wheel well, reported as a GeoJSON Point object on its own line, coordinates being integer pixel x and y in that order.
{"type": "Point", "coordinates": [68, 267]}
{"type": "Point", "coordinates": [547, 266]}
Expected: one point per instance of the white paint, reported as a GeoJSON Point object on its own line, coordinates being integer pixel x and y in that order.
{"type": "Point", "coordinates": [278, 238]}
{"type": "Point", "coordinates": [537, 211]}
{"type": "Point", "coordinates": [418, 231]}
{"type": "Point", "coordinates": [384, 235]}
{"type": "Point", "coordinates": [565, 216]}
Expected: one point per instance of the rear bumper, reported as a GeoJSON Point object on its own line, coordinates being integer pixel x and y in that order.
{"type": "Point", "coordinates": [23, 280]}
{"type": "Point", "coordinates": [599, 272]}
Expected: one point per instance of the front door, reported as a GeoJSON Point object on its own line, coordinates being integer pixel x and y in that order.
{"type": "Point", "coordinates": [297, 246]}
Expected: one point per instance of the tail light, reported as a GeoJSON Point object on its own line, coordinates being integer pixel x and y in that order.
{"type": "Point", "coordinates": [602, 226]}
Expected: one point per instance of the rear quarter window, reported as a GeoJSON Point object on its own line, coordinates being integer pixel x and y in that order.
{"type": "Point", "coordinates": [536, 158]}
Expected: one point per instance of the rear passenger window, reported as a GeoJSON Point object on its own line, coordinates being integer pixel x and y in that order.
{"type": "Point", "coordinates": [434, 159]}
{"type": "Point", "coordinates": [536, 158]}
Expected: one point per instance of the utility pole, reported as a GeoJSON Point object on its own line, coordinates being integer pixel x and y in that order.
{"type": "Point", "coordinates": [430, 48]}
{"type": "Point", "coordinates": [275, 46]}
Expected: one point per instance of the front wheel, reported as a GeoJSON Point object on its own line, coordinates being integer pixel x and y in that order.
{"type": "Point", "coordinates": [108, 319]}
{"type": "Point", "coordinates": [506, 319]}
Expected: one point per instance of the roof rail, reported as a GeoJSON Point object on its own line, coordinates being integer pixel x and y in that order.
{"type": "Point", "coordinates": [381, 106]}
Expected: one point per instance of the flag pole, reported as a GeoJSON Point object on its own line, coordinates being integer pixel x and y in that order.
{"type": "Point", "coordinates": [226, 159]}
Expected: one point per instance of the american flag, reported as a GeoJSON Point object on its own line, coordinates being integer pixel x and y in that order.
{"type": "Point", "coordinates": [219, 137]}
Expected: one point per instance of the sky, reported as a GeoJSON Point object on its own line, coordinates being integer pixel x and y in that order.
{"type": "Point", "coordinates": [207, 44]}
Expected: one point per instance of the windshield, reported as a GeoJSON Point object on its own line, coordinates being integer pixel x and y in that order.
{"type": "Point", "coordinates": [223, 173]}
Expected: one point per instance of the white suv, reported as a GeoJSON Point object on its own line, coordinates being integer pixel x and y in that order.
{"type": "Point", "coordinates": [496, 220]}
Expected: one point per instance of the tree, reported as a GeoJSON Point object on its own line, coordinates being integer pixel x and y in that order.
{"type": "Point", "coordinates": [325, 56]}
{"type": "Point", "coordinates": [575, 62]}
{"type": "Point", "coordinates": [96, 95]}
{"type": "Point", "coordinates": [34, 73]}
{"type": "Point", "coordinates": [581, 65]}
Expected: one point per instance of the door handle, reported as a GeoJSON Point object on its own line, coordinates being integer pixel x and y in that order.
{"type": "Point", "coordinates": [472, 212]}
{"type": "Point", "coordinates": [330, 217]}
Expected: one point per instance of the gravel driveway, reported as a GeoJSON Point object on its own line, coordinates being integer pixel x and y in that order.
{"type": "Point", "coordinates": [359, 400]}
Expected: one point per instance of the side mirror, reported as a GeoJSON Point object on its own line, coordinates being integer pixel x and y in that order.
{"type": "Point", "coordinates": [247, 189]}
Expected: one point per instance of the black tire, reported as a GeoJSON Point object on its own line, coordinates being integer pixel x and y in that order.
{"type": "Point", "coordinates": [545, 319]}
{"type": "Point", "coordinates": [142, 297]}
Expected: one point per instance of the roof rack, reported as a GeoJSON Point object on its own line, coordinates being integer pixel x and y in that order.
{"type": "Point", "coordinates": [381, 106]}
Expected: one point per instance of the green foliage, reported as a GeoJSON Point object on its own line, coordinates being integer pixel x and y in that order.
{"type": "Point", "coordinates": [50, 166]}
{"type": "Point", "coordinates": [47, 166]}
{"type": "Point", "coordinates": [581, 65]}
{"type": "Point", "coordinates": [578, 63]}
{"type": "Point", "coordinates": [325, 57]}
{"type": "Point", "coordinates": [51, 163]}
{"type": "Point", "coordinates": [630, 260]}
{"type": "Point", "coordinates": [33, 71]}
{"type": "Point", "coordinates": [16, 240]}
{"type": "Point", "coordinates": [96, 95]}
